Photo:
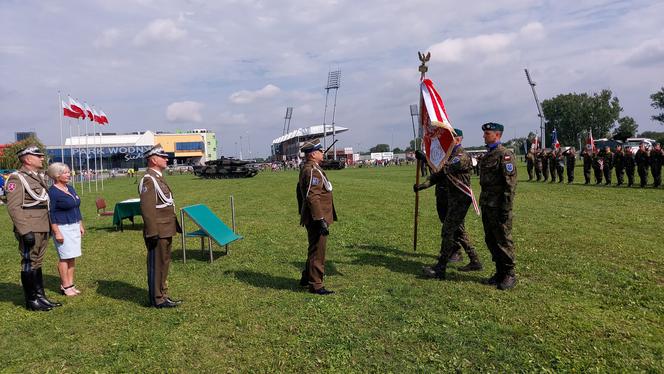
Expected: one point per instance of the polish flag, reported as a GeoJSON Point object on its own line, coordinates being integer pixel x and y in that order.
{"type": "Point", "coordinates": [88, 111]}
{"type": "Point", "coordinates": [76, 106]}
{"type": "Point", "coordinates": [590, 143]}
{"type": "Point", "coordinates": [67, 112]}
{"type": "Point", "coordinates": [438, 132]}
{"type": "Point", "coordinates": [96, 117]}
{"type": "Point", "coordinates": [104, 118]}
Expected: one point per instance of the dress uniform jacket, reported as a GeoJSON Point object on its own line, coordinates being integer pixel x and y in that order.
{"type": "Point", "coordinates": [28, 211]}
{"type": "Point", "coordinates": [317, 199]}
{"type": "Point", "coordinates": [157, 207]}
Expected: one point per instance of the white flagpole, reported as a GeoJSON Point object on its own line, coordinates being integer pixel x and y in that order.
{"type": "Point", "coordinates": [80, 163]}
{"type": "Point", "coordinates": [94, 142]}
{"type": "Point", "coordinates": [87, 155]}
{"type": "Point", "coordinates": [62, 144]}
{"type": "Point", "coordinates": [71, 151]}
{"type": "Point", "coordinates": [101, 159]}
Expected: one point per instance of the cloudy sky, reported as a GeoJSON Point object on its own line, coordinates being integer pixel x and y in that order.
{"type": "Point", "coordinates": [234, 66]}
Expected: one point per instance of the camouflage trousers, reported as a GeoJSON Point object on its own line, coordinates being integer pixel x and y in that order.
{"type": "Point", "coordinates": [498, 237]}
{"type": "Point", "coordinates": [452, 214]}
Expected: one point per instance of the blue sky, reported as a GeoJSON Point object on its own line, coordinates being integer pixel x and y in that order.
{"type": "Point", "coordinates": [234, 66]}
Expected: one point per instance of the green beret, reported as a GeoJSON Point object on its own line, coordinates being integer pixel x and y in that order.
{"type": "Point", "coordinates": [492, 126]}
{"type": "Point", "coordinates": [311, 146]}
{"type": "Point", "coordinates": [458, 132]}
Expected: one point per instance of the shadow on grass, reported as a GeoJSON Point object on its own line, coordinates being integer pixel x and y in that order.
{"type": "Point", "coordinates": [330, 267]}
{"type": "Point", "coordinates": [11, 292]}
{"type": "Point", "coordinates": [122, 291]}
{"type": "Point", "coordinates": [386, 250]}
{"type": "Point", "coordinates": [265, 280]}
{"type": "Point", "coordinates": [108, 227]}
{"type": "Point", "coordinates": [198, 255]}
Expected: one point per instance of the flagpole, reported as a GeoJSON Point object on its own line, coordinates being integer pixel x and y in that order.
{"type": "Point", "coordinates": [62, 144]}
{"type": "Point", "coordinates": [80, 163]}
{"type": "Point", "coordinates": [423, 70]}
{"type": "Point", "coordinates": [101, 160]}
{"type": "Point", "coordinates": [87, 155]}
{"type": "Point", "coordinates": [71, 151]}
{"type": "Point", "coordinates": [94, 143]}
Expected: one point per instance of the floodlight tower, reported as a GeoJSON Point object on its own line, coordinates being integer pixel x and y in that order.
{"type": "Point", "coordinates": [333, 83]}
{"type": "Point", "coordinates": [414, 112]}
{"type": "Point", "coordinates": [539, 108]}
{"type": "Point", "coordinates": [289, 115]}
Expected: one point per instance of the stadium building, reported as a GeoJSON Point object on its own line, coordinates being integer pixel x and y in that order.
{"type": "Point", "coordinates": [287, 147]}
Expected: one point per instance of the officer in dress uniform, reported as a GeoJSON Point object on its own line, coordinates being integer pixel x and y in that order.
{"type": "Point", "coordinates": [316, 214]}
{"type": "Point", "coordinates": [160, 225]}
{"type": "Point", "coordinates": [498, 181]}
{"type": "Point", "coordinates": [27, 205]}
{"type": "Point", "coordinates": [452, 204]}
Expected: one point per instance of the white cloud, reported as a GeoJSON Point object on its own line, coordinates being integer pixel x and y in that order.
{"type": "Point", "coordinates": [107, 38]}
{"type": "Point", "coordinates": [159, 31]}
{"type": "Point", "coordinates": [461, 49]}
{"type": "Point", "coordinates": [184, 111]}
{"type": "Point", "coordinates": [245, 96]}
{"type": "Point", "coordinates": [232, 119]}
{"type": "Point", "coordinates": [649, 52]}
{"type": "Point", "coordinates": [533, 31]}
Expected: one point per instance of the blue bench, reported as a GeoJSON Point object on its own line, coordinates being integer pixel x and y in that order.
{"type": "Point", "coordinates": [211, 228]}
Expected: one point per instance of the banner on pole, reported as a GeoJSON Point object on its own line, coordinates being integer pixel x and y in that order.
{"type": "Point", "coordinates": [438, 132]}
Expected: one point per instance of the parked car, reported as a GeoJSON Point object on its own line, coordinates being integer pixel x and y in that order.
{"type": "Point", "coordinates": [633, 144]}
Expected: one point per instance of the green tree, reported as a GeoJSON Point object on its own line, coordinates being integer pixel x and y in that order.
{"type": "Point", "coordinates": [626, 128]}
{"type": "Point", "coordinates": [380, 148]}
{"type": "Point", "coordinates": [397, 150]}
{"type": "Point", "coordinates": [8, 159]}
{"type": "Point", "coordinates": [411, 147]}
{"type": "Point", "coordinates": [571, 114]}
{"type": "Point", "coordinates": [658, 103]}
{"type": "Point", "coordinates": [657, 135]}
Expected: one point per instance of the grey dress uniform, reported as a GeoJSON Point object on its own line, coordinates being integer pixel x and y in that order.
{"type": "Point", "coordinates": [160, 225]}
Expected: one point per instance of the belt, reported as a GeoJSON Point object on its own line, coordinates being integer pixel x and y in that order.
{"type": "Point", "coordinates": [35, 207]}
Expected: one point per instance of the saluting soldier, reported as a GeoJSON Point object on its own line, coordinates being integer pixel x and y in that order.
{"type": "Point", "coordinates": [587, 164]}
{"type": "Point", "coordinates": [452, 204]}
{"type": "Point", "coordinates": [530, 164]}
{"type": "Point", "coordinates": [27, 205]}
{"type": "Point", "coordinates": [316, 214]}
{"type": "Point", "coordinates": [498, 181]}
{"type": "Point", "coordinates": [642, 159]}
{"type": "Point", "coordinates": [619, 164]}
{"type": "Point", "coordinates": [160, 225]}
{"type": "Point", "coordinates": [630, 166]}
{"type": "Point", "coordinates": [656, 159]}
{"type": "Point", "coordinates": [570, 160]}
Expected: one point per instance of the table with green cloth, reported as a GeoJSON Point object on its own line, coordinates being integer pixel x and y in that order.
{"type": "Point", "coordinates": [126, 209]}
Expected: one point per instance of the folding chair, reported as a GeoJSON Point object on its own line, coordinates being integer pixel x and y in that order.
{"type": "Point", "coordinates": [101, 206]}
{"type": "Point", "coordinates": [211, 228]}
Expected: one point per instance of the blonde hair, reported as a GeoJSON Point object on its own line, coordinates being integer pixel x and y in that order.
{"type": "Point", "coordinates": [56, 169]}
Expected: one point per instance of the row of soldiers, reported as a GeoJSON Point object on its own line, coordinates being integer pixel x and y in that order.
{"type": "Point", "coordinates": [542, 163]}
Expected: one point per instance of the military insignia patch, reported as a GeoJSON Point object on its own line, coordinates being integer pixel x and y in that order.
{"type": "Point", "coordinates": [509, 167]}
{"type": "Point", "coordinates": [145, 189]}
{"type": "Point", "coordinates": [315, 181]}
{"type": "Point", "coordinates": [455, 160]}
{"type": "Point", "coordinates": [11, 186]}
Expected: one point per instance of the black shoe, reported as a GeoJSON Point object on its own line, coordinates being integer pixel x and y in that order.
{"type": "Point", "coordinates": [167, 304]}
{"type": "Point", "coordinates": [472, 266]}
{"type": "Point", "coordinates": [304, 280]}
{"type": "Point", "coordinates": [508, 282]}
{"type": "Point", "coordinates": [433, 272]}
{"type": "Point", "coordinates": [176, 302]}
{"type": "Point", "coordinates": [31, 301]}
{"type": "Point", "coordinates": [321, 291]}
{"type": "Point", "coordinates": [456, 257]}
{"type": "Point", "coordinates": [494, 280]}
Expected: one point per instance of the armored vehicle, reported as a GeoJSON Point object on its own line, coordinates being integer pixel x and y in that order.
{"type": "Point", "coordinates": [227, 167]}
{"type": "Point", "coordinates": [333, 164]}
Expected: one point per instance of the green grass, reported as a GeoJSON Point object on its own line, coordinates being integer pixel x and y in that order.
{"type": "Point", "coordinates": [590, 295]}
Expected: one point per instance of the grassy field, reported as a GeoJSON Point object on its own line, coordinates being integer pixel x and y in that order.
{"type": "Point", "coordinates": [590, 295]}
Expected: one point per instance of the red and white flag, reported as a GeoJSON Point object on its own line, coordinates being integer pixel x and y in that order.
{"type": "Point", "coordinates": [95, 116]}
{"type": "Point", "coordinates": [103, 117]}
{"type": "Point", "coordinates": [88, 112]}
{"type": "Point", "coordinates": [590, 143]}
{"type": "Point", "coordinates": [535, 144]}
{"type": "Point", "coordinates": [76, 106]}
{"type": "Point", "coordinates": [67, 112]}
{"type": "Point", "coordinates": [438, 132]}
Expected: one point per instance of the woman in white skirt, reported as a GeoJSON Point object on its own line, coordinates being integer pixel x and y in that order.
{"type": "Point", "coordinates": [66, 224]}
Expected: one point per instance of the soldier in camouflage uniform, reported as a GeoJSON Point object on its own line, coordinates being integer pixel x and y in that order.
{"type": "Point", "coordinates": [538, 164]}
{"type": "Point", "coordinates": [597, 167]}
{"type": "Point", "coordinates": [607, 164]}
{"type": "Point", "coordinates": [452, 205]}
{"type": "Point", "coordinates": [544, 159]}
{"type": "Point", "coordinates": [530, 164]}
{"type": "Point", "coordinates": [656, 159]}
{"type": "Point", "coordinates": [498, 181]}
{"type": "Point", "coordinates": [552, 165]}
{"type": "Point", "coordinates": [587, 164]}
{"type": "Point", "coordinates": [642, 159]}
{"type": "Point", "coordinates": [560, 164]}
{"type": "Point", "coordinates": [630, 166]}
{"type": "Point", "coordinates": [570, 161]}
{"type": "Point", "coordinates": [619, 164]}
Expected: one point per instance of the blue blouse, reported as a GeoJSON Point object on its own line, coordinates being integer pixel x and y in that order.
{"type": "Point", "coordinates": [64, 208]}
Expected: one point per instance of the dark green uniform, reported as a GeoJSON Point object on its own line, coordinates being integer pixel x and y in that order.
{"type": "Point", "coordinates": [544, 159]}
{"type": "Point", "coordinates": [597, 168]}
{"type": "Point", "coordinates": [619, 165]}
{"type": "Point", "coordinates": [630, 167]}
{"type": "Point", "coordinates": [560, 165]}
{"type": "Point", "coordinates": [530, 164]}
{"type": "Point", "coordinates": [642, 159]}
{"type": "Point", "coordinates": [587, 165]}
{"type": "Point", "coordinates": [498, 181]}
{"type": "Point", "coordinates": [570, 160]}
{"type": "Point", "coordinates": [656, 159]}
{"type": "Point", "coordinates": [607, 165]}
{"type": "Point", "coordinates": [538, 165]}
{"type": "Point", "coordinates": [552, 165]}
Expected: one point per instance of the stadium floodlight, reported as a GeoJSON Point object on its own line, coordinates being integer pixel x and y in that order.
{"type": "Point", "coordinates": [287, 118]}
{"type": "Point", "coordinates": [333, 83]}
{"type": "Point", "coordinates": [414, 112]}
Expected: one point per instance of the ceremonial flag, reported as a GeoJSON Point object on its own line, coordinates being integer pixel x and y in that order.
{"type": "Point", "coordinates": [88, 111]}
{"type": "Point", "coordinates": [103, 117]}
{"type": "Point", "coordinates": [96, 117]}
{"type": "Point", "coordinates": [67, 112]}
{"type": "Point", "coordinates": [76, 107]}
{"type": "Point", "coordinates": [554, 139]}
{"type": "Point", "coordinates": [590, 143]}
{"type": "Point", "coordinates": [438, 132]}
{"type": "Point", "coordinates": [535, 144]}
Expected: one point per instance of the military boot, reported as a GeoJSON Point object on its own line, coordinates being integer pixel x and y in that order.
{"type": "Point", "coordinates": [456, 257]}
{"type": "Point", "coordinates": [474, 264]}
{"type": "Point", "coordinates": [31, 301]}
{"type": "Point", "coordinates": [304, 280]}
{"type": "Point", "coordinates": [437, 271]}
{"type": "Point", "coordinates": [508, 282]}
{"type": "Point", "coordinates": [496, 278]}
{"type": "Point", "coordinates": [39, 289]}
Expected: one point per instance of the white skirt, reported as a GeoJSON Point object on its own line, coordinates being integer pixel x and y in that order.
{"type": "Point", "coordinates": [71, 246]}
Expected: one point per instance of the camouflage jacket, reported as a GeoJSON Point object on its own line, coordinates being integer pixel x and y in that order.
{"type": "Point", "coordinates": [459, 165]}
{"type": "Point", "coordinates": [498, 178]}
